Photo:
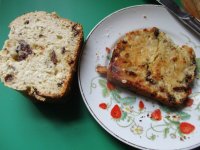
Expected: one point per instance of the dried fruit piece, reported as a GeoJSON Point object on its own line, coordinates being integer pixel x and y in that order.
{"type": "Point", "coordinates": [71, 62]}
{"type": "Point", "coordinates": [40, 35]}
{"type": "Point", "coordinates": [63, 50]}
{"type": "Point", "coordinates": [149, 79]}
{"type": "Point", "coordinates": [23, 50]}
{"type": "Point", "coordinates": [8, 78]}
{"type": "Point", "coordinates": [54, 58]}
{"type": "Point", "coordinates": [60, 84]}
{"type": "Point", "coordinates": [180, 89]}
{"type": "Point", "coordinates": [156, 32]}
{"type": "Point", "coordinates": [26, 22]}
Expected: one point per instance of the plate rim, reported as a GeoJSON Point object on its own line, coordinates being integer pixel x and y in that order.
{"type": "Point", "coordinates": [81, 87]}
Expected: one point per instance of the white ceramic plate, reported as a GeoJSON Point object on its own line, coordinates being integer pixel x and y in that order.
{"type": "Point", "coordinates": [129, 117]}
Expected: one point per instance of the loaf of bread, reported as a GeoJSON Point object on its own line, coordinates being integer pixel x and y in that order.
{"type": "Point", "coordinates": [149, 63]}
{"type": "Point", "coordinates": [40, 55]}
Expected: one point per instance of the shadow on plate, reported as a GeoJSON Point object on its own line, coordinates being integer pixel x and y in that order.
{"type": "Point", "coordinates": [66, 109]}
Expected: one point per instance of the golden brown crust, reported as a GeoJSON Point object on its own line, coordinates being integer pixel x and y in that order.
{"type": "Point", "coordinates": [149, 63]}
{"type": "Point", "coordinates": [101, 70]}
{"type": "Point", "coordinates": [74, 65]}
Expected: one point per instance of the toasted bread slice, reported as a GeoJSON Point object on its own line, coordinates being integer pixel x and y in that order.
{"type": "Point", "coordinates": [41, 54]}
{"type": "Point", "coordinates": [149, 63]}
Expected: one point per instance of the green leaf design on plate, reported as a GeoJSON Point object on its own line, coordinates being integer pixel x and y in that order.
{"type": "Point", "coordinates": [166, 132]}
{"type": "Point", "coordinates": [116, 96]}
{"type": "Point", "coordinates": [198, 64]}
{"type": "Point", "coordinates": [128, 100]}
{"type": "Point", "coordinates": [176, 123]}
{"type": "Point", "coordinates": [184, 115]}
{"type": "Point", "coordinates": [167, 123]}
{"type": "Point", "coordinates": [105, 92]}
{"type": "Point", "coordinates": [198, 107]}
{"type": "Point", "coordinates": [129, 119]}
{"type": "Point", "coordinates": [108, 57]}
{"type": "Point", "coordinates": [124, 115]}
{"type": "Point", "coordinates": [180, 133]}
{"type": "Point", "coordinates": [152, 137]}
{"type": "Point", "coordinates": [102, 83]}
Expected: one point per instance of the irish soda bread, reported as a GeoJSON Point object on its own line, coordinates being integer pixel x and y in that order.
{"type": "Point", "coordinates": [40, 55]}
{"type": "Point", "coordinates": [149, 63]}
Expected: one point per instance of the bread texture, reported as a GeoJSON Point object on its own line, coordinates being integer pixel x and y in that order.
{"type": "Point", "coordinates": [149, 63]}
{"type": "Point", "coordinates": [40, 55]}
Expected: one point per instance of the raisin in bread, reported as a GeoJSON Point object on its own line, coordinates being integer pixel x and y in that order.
{"type": "Point", "coordinates": [149, 63]}
{"type": "Point", "coordinates": [40, 55]}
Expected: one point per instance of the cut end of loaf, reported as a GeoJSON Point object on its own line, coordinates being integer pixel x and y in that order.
{"type": "Point", "coordinates": [40, 55]}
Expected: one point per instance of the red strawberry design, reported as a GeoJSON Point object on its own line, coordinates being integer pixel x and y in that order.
{"type": "Point", "coordinates": [156, 115]}
{"type": "Point", "coordinates": [186, 128]}
{"type": "Point", "coordinates": [116, 112]}
{"type": "Point", "coordinates": [103, 105]}
{"type": "Point", "coordinates": [141, 105]}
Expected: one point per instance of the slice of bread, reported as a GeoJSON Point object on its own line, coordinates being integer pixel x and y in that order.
{"type": "Point", "coordinates": [149, 63]}
{"type": "Point", "coordinates": [40, 55]}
